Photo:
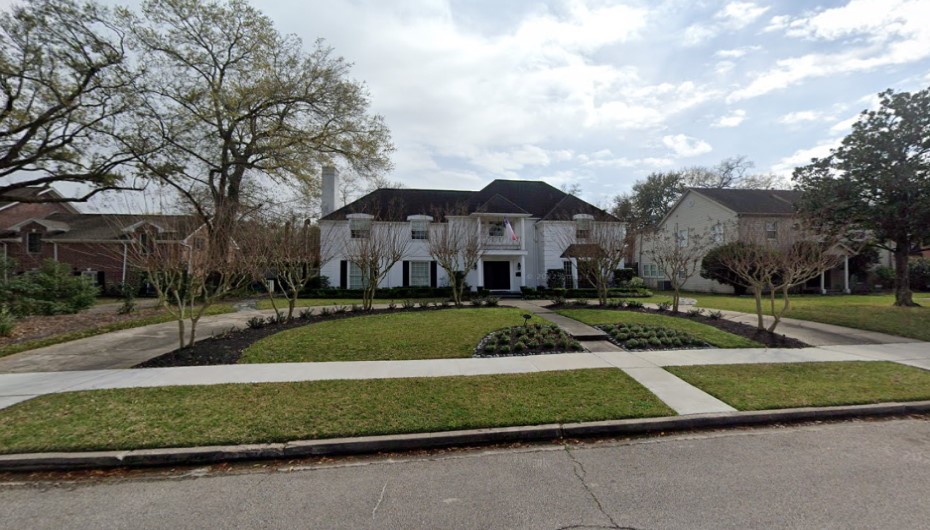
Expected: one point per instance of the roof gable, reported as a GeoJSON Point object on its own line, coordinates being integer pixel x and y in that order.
{"type": "Point", "coordinates": [753, 202]}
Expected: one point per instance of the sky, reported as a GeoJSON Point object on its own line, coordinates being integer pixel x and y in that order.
{"type": "Point", "coordinates": [600, 94]}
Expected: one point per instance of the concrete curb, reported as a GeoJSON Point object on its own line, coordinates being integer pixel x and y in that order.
{"type": "Point", "coordinates": [474, 437]}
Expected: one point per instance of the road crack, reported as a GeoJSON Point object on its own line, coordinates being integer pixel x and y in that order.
{"type": "Point", "coordinates": [581, 473]}
{"type": "Point", "coordinates": [380, 500]}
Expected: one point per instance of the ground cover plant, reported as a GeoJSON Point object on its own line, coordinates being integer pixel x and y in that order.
{"type": "Point", "coordinates": [636, 337]}
{"type": "Point", "coordinates": [774, 386]}
{"type": "Point", "coordinates": [701, 328]}
{"type": "Point", "coordinates": [181, 416]}
{"type": "Point", "coordinates": [531, 339]}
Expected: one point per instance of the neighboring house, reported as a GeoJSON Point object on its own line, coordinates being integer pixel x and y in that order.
{"type": "Point", "coordinates": [544, 222]}
{"type": "Point", "coordinates": [96, 246]}
{"type": "Point", "coordinates": [715, 213]}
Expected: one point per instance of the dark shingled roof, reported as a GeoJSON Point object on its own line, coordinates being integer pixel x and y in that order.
{"type": "Point", "coordinates": [754, 202]}
{"type": "Point", "coordinates": [109, 227]}
{"type": "Point", "coordinates": [536, 198]}
{"type": "Point", "coordinates": [22, 193]}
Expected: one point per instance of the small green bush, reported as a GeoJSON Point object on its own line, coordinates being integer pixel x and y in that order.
{"type": "Point", "coordinates": [7, 321]}
{"type": "Point", "coordinates": [51, 290]}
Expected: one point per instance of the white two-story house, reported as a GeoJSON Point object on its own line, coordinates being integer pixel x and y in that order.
{"type": "Point", "coordinates": [524, 228]}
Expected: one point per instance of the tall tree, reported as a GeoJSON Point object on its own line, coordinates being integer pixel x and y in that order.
{"type": "Point", "coordinates": [457, 247]}
{"type": "Point", "coordinates": [63, 84]}
{"type": "Point", "coordinates": [878, 181]}
{"type": "Point", "coordinates": [230, 98]}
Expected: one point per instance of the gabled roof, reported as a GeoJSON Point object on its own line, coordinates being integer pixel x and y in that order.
{"type": "Point", "coordinates": [753, 202]}
{"type": "Point", "coordinates": [528, 197]}
{"type": "Point", "coordinates": [499, 204]}
{"type": "Point", "coordinates": [33, 192]}
{"type": "Point", "coordinates": [110, 227]}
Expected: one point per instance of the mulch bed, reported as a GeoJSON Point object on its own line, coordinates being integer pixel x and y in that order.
{"type": "Point", "coordinates": [768, 339]}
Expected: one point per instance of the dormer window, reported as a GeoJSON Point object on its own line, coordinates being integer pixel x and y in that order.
{"type": "Point", "coordinates": [34, 242]}
{"type": "Point", "coordinates": [419, 226]}
{"type": "Point", "coordinates": [583, 226]}
{"type": "Point", "coordinates": [360, 226]}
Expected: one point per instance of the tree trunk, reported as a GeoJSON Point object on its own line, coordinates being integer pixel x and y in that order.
{"type": "Point", "coordinates": [757, 294]}
{"type": "Point", "coordinates": [903, 297]}
{"type": "Point", "coordinates": [181, 333]}
{"type": "Point", "coordinates": [291, 303]}
{"type": "Point", "coordinates": [676, 299]}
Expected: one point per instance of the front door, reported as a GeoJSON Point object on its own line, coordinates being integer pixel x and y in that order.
{"type": "Point", "coordinates": [497, 275]}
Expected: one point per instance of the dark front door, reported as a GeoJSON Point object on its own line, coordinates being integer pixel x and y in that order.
{"type": "Point", "coordinates": [497, 275]}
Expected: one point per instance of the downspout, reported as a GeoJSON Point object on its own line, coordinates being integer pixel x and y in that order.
{"type": "Point", "coordinates": [55, 251]}
{"type": "Point", "coordinates": [125, 257]}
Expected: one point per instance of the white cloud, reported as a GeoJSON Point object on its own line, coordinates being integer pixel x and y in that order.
{"type": "Point", "coordinates": [733, 119]}
{"type": "Point", "coordinates": [844, 126]}
{"type": "Point", "coordinates": [802, 157]}
{"type": "Point", "coordinates": [801, 116]}
{"type": "Point", "coordinates": [724, 67]}
{"type": "Point", "coordinates": [736, 53]}
{"type": "Point", "coordinates": [698, 33]}
{"type": "Point", "coordinates": [740, 14]}
{"type": "Point", "coordinates": [876, 33]}
{"type": "Point", "coordinates": [685, 146]}
{"type": "Point", "coordinates": [624, 163]}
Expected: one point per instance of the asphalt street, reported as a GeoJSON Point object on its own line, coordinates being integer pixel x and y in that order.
{"type": "Point", "coordinates": [844, 475]}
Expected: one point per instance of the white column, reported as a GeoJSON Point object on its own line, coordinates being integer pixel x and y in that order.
{"type": "Point", "coordinates": [522, 236]}
{"type": "Point", "coordinates": [846, 275]}
{"type": "Point", "coordinates": [823, 289]}
{"type": "Point", "coordinates": [125, 257]}
{"type": "Point", "coordinates": [522, 271]}
{"type": "Point", "coordinates": [574, 273]}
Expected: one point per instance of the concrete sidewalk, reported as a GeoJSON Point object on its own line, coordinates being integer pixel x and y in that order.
{"type": "Point", "coordinates": [645, 367]}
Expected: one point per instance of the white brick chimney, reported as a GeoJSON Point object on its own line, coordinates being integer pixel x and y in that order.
{"type": "Point", "coordinates": [328, 201]}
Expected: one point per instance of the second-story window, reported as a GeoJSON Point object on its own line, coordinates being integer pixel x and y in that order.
{"type": "Point", "coordinates": [360, 228]}
{"type": "Point", "coordinates": [419, 229]}
{"type": "Point", "coordinates": [496, 229]}
{"type": "Point", "coordinates": [717, 233]}
{"type": "Point", "coordinates": [582, 228]}
{"type": "Point", "coordinates": [683, 238]}
{"type": "Point", "coordinates": [771, 230]}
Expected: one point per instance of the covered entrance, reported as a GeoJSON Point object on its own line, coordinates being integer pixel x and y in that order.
{"type": "Point", "coordinates": [497, 275]}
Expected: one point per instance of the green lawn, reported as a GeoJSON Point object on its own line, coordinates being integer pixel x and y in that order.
{"type": "Point", "coordinates": [277, 412]}
{"type": "Point", "coordinates": [216, 309]}
{"type": "Point", "coordinates": [434, 334]}
{"type": "Point", "coordinates": [869, 312]}
{"type": "Point", "coordinates": [775, 386]}
{"type": "Point", "coordinates": [709, 334]}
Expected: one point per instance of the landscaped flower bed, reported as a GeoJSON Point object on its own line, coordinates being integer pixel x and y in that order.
{"type": "Point", "coordinates": [532, 339]}
{"type": "Point", "coordinates": [637, 337]}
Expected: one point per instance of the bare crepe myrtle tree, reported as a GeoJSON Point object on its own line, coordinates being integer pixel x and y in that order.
{"type": "Point", "coordinates": [289, 250]}
{"type": "Point", "coordinates": [598, 249]}
{"type": "Point", "coordinates": [375, 247]}
{"type": "Point", "coordinates": [775, 256]}
{"type": "Point", "coordinates": [677, 252]}
{"type": "Point", "coordinates": [186, 277]}
{"type": "Point", "coordinates": [457, 246]}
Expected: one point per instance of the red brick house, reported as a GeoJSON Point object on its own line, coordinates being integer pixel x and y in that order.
{"type": "Point", "coordinates": [94, 245]}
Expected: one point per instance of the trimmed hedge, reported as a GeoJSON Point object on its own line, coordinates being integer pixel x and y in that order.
{"type": "Point", "coordinates": [385, 293]}
{"type": "Point", "coordinates": [617, 292]}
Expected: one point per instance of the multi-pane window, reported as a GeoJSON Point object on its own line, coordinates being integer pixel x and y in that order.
{"type": "Point", "coordinates": [582, 228]}
{"type": "Point", "coordinates": [34, 242]}
{"type": "Point", "coordinates": [683, 238]}
{"type": "Point", "coordinates": [650, 270]}
{"type": "Point", "coordinates": [146, 243]}
{"type": "Point", "coordinates": [356, 281]}
{"type": "Point", "coordinates": [89, 276]}
{"type": "Point", "coordinates": [360, 228]}
{"type": "Point", "coordinates": [717, 233]}
{"type": "Point", "coordinates": [419, 229]}
{"type": "Point", "coordinates": [496, 229]}
{"type": "Point", "coordinates": [771, 230]}
{"type": "Point", "coordinates": [419, 274]}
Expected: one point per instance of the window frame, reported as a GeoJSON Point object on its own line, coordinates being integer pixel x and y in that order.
{"type": "Point", "coordinates": [496, 228]}
{"type": "Point", "coordinates": [355, 280]}
{"type": "Point", "coordinates": [419, 274]}
{"type": "Point", "coordinates": [360, 228]}
{"type": "Point", "coordinates": [771, 230]}
{"type": "Point", "coordinates": [419, 230]}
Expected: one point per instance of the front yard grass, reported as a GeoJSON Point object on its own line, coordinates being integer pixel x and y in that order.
{"type": "Point", "coordinates": [775, 386]}
{"type": "Point", "coordinates": [277, 412]}
{"type": "Point", "coordinates": [868, 312]}
{"type": "Point", "coordinates": [709, 334]}
{"type": "Point", "coordinates": [433, 334]}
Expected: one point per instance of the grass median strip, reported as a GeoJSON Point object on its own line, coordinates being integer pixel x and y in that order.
{"type": "Point", "coordinates": [276, 412]}
{"type": "Point", "coordinates": [434, 334]}
{"type": "Point", "coordinates": [774, 386]}
{"type": "Point", "coordinates": [708, 334]}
